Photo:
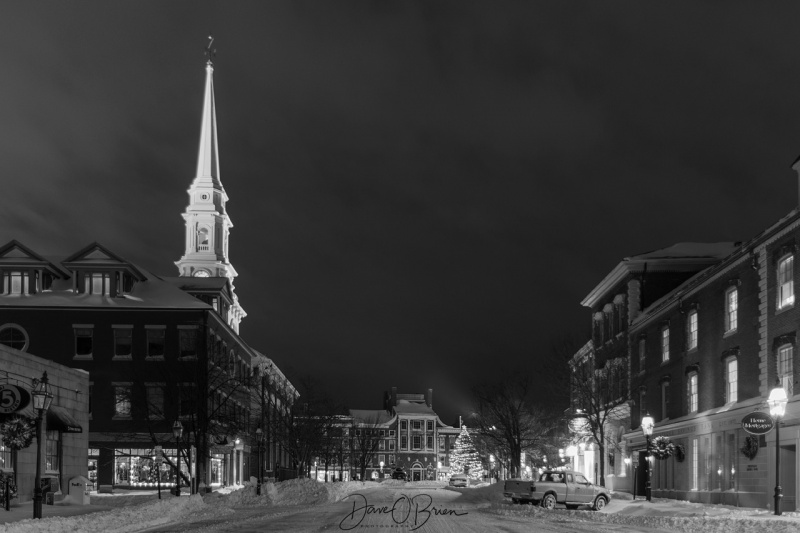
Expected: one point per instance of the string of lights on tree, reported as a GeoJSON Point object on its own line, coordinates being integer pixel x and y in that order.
{"type": "Point", "coordinates": [464, 459]}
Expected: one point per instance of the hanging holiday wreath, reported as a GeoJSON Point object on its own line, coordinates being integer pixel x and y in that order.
{"type": "Point", "coordinates": [680, 452]}
{"type": "Point", "coordinates": [750, 448]}
{"type": "Point", "coordinates": [18, 432]}
{"type": "Point", "coordinates": [661, 448]}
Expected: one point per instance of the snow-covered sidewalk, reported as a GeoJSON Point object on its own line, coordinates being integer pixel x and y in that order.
{"type": "Point", "coordinates": [137, 511]}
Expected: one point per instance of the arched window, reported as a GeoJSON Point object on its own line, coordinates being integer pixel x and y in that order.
{"type": "Point", "coordinates": [14, 336]}
{"type": "Point", "coordinates": [203, 240]}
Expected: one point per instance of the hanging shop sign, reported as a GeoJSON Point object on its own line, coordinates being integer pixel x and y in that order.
{"type": "Point", "coordinates": [758, 423]}
{"type": "Point", "coordinates": [13, 398]}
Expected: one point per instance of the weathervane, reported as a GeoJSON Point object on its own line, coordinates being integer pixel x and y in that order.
{"type": "Point", "coordinates": [210, 52]}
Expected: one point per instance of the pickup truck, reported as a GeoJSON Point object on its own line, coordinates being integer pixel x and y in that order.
{"type": "Point", "coordinates": [563, 486]}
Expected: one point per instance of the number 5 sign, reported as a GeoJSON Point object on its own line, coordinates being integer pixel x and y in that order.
{"type": "Point", "coordinates": [13, 398]}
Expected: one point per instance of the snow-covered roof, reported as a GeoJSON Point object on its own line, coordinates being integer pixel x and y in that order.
{"type": "Point", "coordinates": [689, 250]}
{"type": "Point", "coordinates": [371, 416]}
{"type": "Point", "coordinates": [153, 292]}
{"type": "Point", "coordinates": [680, 257]}
{"type": "Point", "coordinates": [405, 407]}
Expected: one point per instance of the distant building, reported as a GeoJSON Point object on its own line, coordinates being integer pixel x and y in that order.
{"type": "Point", "coordinates": [407, 433]}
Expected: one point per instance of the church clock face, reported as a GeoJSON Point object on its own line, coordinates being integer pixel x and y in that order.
{"type": "Point", "coordinates": [201, 273]}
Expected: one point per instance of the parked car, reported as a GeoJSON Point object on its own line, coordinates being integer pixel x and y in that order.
{"type": "Point", "coordinates": [459, 480]}
{"type": "Point", "coordinates": [399, 473]}
{"type": "Point", "coordinates": [566, 486]}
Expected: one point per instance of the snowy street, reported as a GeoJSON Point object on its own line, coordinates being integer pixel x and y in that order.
{"type": "Point", "coordinates": [307, 506]}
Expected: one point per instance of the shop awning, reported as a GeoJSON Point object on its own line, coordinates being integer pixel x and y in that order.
{"type": "Point", "coordinates": [58, 418]}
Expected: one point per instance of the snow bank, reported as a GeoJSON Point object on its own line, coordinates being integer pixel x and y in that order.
{"type": "Point", "coordinates": [122, 519]}
{"type": "Point", "coordinates": [666, 515]}
{"type": "Point", "coordinates": [292, 492]}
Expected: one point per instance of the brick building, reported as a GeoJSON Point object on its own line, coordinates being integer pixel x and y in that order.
{"type": "Point", "coordinates": [159, 350]}
{"type": "Point", "coordinates": [636, 283]}
{"type": "Point", "coordinates": [704, 354]}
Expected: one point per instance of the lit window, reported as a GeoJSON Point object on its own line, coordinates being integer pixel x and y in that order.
{"type": "Point", "coordinates": [97, 283]}
{"type": "Point", "coordinates": [692, 392]}
{"type": "Point", "coordinates": [6, 463]}
{"type": "Point", "coordinates": [15, 283]}
{"type": "Point", "coordinates": [695, 463]}
{"type": "Point", "coordinates": [691, 333]}
{"type": "Point", "coordinates": [665, 344]}
{"type": "Point", "coordinates": [731, 380]}
{"type": "Point", "coordinates": [786, 368]}
{"type": "Point", "coordinates": [13, 336]}
{"type": "Point", "coordinates": [122, 401]}
{"type": "Point", "coordinates": [786, 282]}
{"type": "Point", "coordinates": [51, 451]}
{"type": "Point", "coordinates": [731, 309]}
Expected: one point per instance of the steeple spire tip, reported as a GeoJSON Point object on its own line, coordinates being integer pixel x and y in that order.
{"type": "Point", "coordinates": [210, 52]}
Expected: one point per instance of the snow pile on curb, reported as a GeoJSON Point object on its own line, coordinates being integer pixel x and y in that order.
{"type": "Point", "coordinates": [127, 518]}
{"type": "Point", "coordinates": [667, 515]}
{"type": "Point", "coordinates": [292, 492]}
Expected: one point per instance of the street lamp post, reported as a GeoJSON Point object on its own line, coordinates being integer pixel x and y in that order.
{"type": "Point", "coordinates": [177, 431]}
{"type": "Point", "coordinates": [777, 404]}
{"type": "Point", "coordinates": [647, 430]}
{"type": "Point", "coordinates": [41, 402]}
{"type": "Point", "coordinates": [382, 463]}
{"type": "Point", "coordinates": [259, 434]}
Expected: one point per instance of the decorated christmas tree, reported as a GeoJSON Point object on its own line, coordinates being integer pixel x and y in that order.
{"type": "Point", "coordinates": [464, 458]}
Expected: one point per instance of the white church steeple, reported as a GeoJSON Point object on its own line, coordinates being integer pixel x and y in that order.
{"type": "Point", "coordinates": [207, 222]}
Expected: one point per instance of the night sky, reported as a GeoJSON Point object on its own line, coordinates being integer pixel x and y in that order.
{"type": "Point", "coordinates": [422, 192]}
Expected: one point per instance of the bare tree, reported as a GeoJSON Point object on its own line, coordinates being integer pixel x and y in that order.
{"type": "Point", "coordinates": [510, 423]}
{"type": "Point", "coordinates": [366, 438]}
{"type": "Point", "coordinates": [314, 418]}
{"type": "Point", "coordinates": [600, 389]}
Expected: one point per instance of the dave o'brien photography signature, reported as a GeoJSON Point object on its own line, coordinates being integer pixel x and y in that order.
{"type": "Point", "coordinates": [414, 512]}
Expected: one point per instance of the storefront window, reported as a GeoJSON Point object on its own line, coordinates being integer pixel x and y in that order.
{"type": "Point", "coordinates": [138, 467]}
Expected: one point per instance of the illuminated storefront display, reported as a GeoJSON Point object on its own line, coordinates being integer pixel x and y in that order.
{"type": "Point", "coordinates": [138, 467]}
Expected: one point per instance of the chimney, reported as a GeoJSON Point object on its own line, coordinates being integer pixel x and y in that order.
{"type": "Point", "coordinates": [394, 396]}
{"type": "Point", "coordinates": [429, 399]}
{"type": "Point", "coordinates": [796, 168]}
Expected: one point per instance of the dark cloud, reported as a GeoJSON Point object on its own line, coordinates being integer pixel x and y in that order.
{"type": "Point", "coordinates": [422, 192]}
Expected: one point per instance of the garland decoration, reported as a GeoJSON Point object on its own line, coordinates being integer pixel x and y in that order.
{"type": "Point", "coordinates": [18, 432]}
{"type": "Point", "coordinates": [750, 448]}
{"type": "Point", "coordinates": [661, 448]}
{"type": "Point", "coordinates": [680, 452]}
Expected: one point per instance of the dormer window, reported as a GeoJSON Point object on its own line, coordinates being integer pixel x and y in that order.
{"type": "Point", "coordinates": [15, 283]}
{"type": "Point", "coordinates": [97, 283]}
